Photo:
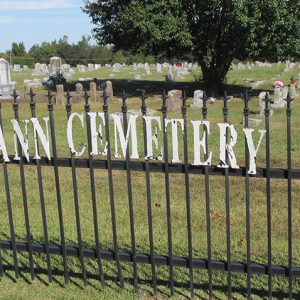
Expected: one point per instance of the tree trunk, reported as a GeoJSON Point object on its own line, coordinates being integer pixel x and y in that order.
{"type": "Point", "coordinates": [213, 78]}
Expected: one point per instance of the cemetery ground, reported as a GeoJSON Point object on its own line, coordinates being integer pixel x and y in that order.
{"type": "Point", "coordinates": [39, 288]}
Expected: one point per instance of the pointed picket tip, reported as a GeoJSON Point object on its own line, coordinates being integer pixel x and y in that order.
{"type": "Point", "coordinates": [31, 95]}
{"type": "Point", "coordinates": [225, 96]}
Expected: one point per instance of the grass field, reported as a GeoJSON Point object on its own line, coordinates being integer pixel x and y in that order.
{"type": "Point", "coordinates": [40, 289]}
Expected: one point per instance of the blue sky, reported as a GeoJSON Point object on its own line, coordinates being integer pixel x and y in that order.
{"type": "Point", "coordinates": [36, 21]}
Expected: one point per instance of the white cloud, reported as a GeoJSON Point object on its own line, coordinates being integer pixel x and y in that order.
{"type": "Point", "coordinates": [36, 4]}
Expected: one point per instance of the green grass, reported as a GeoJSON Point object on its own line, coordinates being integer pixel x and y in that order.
{"type": "Point", "coordinates": [39, 289]}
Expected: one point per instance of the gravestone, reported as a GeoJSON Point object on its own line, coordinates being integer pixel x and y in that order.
{"type": "Point", "coordinates": [59, 96]}
{"type": "Point", "coordinates": [40, 69]}
{"type": "Point", "coordinates": [77, 96]}
{"type": "Point", "coordinates": [79, 88]}
{"type": "Point", "coordinates": [174, 102]}
{"type": "Point", "coordinates": [278, 98]}
{"type": "Point", "coordinates": [116, 67]}
{"type": "Point", "coordinates": [91, 67]}
{"type": "Point", "coordinates": [55, 65]}
{"type": "Point", "coordinates": [262, 104]}
{"type": "Point", "coordinates": [137, 77]}
{"type": "Point", "coordinates": [25, 68]}
{"type": "Point", "coordinates": [93, 91]}
{"type": "Point", "coordinates": [81, 68]}
{"type": "Point", "coordinates": [69, 73]}
{"type": "Point", "coordinates": [179, 74]}
{"type": "Point", "coordinates": [147, 70]}
{"type": "Point", "coordinates": [198, 99]}
{"type": "Point", "coordinates": [109, 92]}
{"type": "Point", "coordinates": [240, 66]}
{"type": "Point", "coordinates": [6, 85]}
{"type": "Point", "coordinates": [17, 68]}
{"type": "Point", "coordinates": [158, 68]}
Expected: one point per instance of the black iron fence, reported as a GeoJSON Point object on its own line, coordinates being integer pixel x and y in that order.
{"type": "Point", "coordinates": [131, 255]}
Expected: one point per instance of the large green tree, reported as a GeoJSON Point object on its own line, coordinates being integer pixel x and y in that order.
{"type": "Point", "coordinates": [215, 31]}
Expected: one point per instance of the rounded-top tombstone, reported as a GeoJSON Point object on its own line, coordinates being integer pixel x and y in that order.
{"type": "Point", "coordinates": [6, 86]}
{"type": "Point", "coordinates": [4, 72]}
{"type": "Point", "coordinates": [55, 65]}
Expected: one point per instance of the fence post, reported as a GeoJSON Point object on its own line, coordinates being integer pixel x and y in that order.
{"type": "Point", "coordinates": [111, 190]}
{"type": "Point", "coordinates": [247, 183]}
{"type": "Point", "coordinates": [290, 203]}
{"type": "Point", "coordinates": [168, 197]}
{"type": "Point", "coordinates": [41, 193]}
{"type": "Point", "coordinates": [76, 200]}
{"type": "Point", "coordinates": [57, 185]}
{"type": "Point", "coordinates": [227, 204]}
{"type": "Point", "coordinates": [130, 202]}
{"type": "Point", "coordinates": [268, 187]}
{"type": "Point", "coordinates": [207, 202]}
{"type": "Point", "coordinates": [93, 190]}
{"type": "Point", "coordinates": [148, 192]}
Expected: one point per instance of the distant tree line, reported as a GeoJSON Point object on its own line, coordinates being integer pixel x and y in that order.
{"type": "Point", "coordinates": [83, 52]}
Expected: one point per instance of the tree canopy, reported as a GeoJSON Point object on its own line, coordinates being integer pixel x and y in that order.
{"type": "Point", "coordinates": [213, 31]}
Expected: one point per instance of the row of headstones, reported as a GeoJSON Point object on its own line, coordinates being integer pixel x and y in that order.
{"type": "Point", "coordinates": [77, 96]}
{"type": "Point", "coordinates": [249, 66]}
{"type": "Point", "coordinates": [185, 67]}
{"type": "Point", "coordinates": [280, 95]}
{"type": "Point", "coordinates": [240, 66]}
{"type": "Point", "coordinates": [174, 102]}
{"type": "Point", "coordinates": [18, 68]}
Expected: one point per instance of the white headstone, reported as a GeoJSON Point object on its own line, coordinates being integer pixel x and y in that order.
{"type": "Point", "coordinates": [17, 68]}
{"type": "Point", "coordinates": [91, 67]}
{"type": "Point", "coordinates": [158, 68]}
{"type": "Point", "coordinates": [262, 103]}
{"type": "Point", "coordinates": [6, 86]}
{"type": "Point", "coordinates": [55, 65]}
{"type": "Point", "coordinates": [147, 70]}
{"type": "Point", "coordinates": [116, 67]}
{"type": "Point", "coordinates": [81, 68]}
{"type": "Point", "coordinates": [278, 98]}
{"type": "Point", "coordinates": [198, 99]}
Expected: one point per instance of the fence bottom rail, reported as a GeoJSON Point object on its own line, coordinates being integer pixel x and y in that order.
{"type": "Point", "coordinates": [163, 260]}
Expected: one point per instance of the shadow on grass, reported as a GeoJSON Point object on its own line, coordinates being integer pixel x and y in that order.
{"type": "Point", "coordinates": [110, 274]}
{"type": "Point", "coordinates": [111, 281]}
{"type": "Point", "coordinates": [155, 87]}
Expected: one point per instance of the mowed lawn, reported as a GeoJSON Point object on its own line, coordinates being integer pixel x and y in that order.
{"type": "Point", "coordinates": [40, 289]}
